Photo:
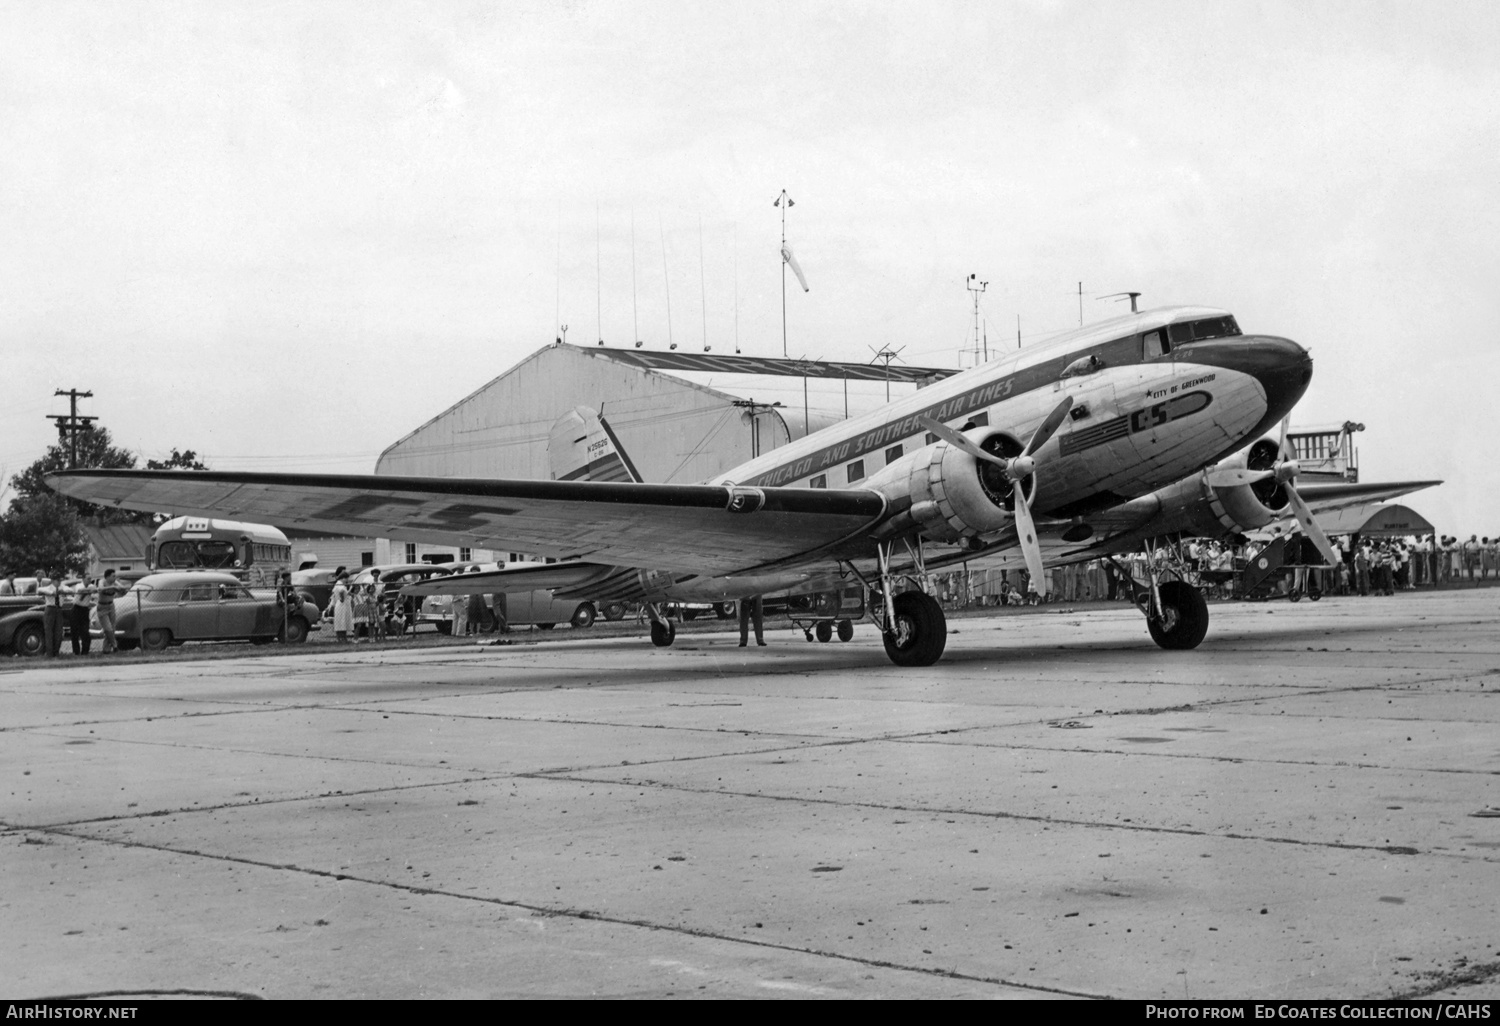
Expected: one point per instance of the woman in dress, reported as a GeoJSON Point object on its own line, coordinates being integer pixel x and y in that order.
{"type": "Point", "coordinates": [342, 605]}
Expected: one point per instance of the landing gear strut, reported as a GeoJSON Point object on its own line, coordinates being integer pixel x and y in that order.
{"type": "Point", "coordinates": [1176, 613]}
{"type": "Point", "coordinates": [912, 624]}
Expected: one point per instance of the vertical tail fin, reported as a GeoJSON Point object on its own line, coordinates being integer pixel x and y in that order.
{"type": "Point", "coordinates": [583, 447]}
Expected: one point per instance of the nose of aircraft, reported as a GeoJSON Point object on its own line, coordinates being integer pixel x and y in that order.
{"type": "Point", "coordinates": [1282, 367]}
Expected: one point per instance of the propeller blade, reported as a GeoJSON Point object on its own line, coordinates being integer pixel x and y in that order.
{"type": "Point", "coordinates": [1231, 477]}
{"type": "Point", "coordinates": [1049, 426]}
{"type": "Point", "coordinates": [1310, 526]}
{"type": "Point", "coordinates": [1026, 534]}
{"type": "Point", "coordinates": [1281, 442]}
{"type": "Point", "coordinates": [963, 442]}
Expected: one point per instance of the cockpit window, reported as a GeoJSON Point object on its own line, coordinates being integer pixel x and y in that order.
{"type": "Point", "coordinates": [1152, 345]}
{"type": "Point", "coordinates": [1195, 331]}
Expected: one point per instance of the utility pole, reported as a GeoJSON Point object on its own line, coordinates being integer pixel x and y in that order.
{"type": "Point", "coordinates": [70, 425]}
{"type": "Point", "coordinates": [755, 409]}
{"type": "Point", "coordinates": [977, 287]}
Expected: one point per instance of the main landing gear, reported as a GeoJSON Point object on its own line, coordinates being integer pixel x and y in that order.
{"type": "Point", "coordinates": [912, 624]}
{"type": "Point", "coordinates": [1176, 613]}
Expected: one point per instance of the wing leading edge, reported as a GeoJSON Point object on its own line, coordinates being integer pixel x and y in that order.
{"type": "Point", "coordinates": [717, 529]}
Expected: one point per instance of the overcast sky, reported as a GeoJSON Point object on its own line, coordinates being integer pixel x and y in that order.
{"type": "Point", "coordinates": [285, 235]}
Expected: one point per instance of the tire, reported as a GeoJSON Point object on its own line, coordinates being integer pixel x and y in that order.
{"type": "Point", "coordinates": [296, 631]}
{"type": "Point", "coordinates": [584, 615]}
{"type": "Point", "coordinates": [1186, 615]}
{"type": "Point", "coordinates": [724, 610]}
{"type": "Point", "coordinates": [824, 631]}
{"type": "Point", "coordinates": [614, 611]}
{"type": "Point", "coordinates": [662, 635]}
{"type": "Point", "coordinates": [545, 626]}
{"type": "Point", "coordinates": [846, 630]}
{"type": "Point", "coordinates": [445, 627]}
{"type": "Point", "coordinates": [1294, 595]}
{"type": "Point", "coordinates": [920, 632]}
{"type": "Point", "coordinates": [29, 640]}
{"type": "Point", "coordinates": [154, 639]}
{"type": "Point", "coordinates": [126, 644]}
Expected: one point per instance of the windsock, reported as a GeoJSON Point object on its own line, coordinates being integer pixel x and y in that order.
{"type": "Point", "coordinates": [786, 254]}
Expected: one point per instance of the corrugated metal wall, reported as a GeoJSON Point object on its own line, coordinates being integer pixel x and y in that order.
{"type": "Point", "coordinates": [674, 431]}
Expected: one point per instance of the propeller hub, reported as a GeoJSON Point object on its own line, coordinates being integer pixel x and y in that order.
{"type": "Point", "coordinates": [1020, 468]}
{"type": "Point", "coordinates": [1287, 470]}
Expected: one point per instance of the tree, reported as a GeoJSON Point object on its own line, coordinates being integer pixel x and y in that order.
{"type": "Point", "coordinates": [41, 531]}
{"type": "Point", "coordinates": [95, 449]}
{"type": "Point", "coordinates": [178, 461]}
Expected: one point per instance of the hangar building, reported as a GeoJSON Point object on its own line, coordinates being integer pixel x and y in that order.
{"type": "Point", "coordinates": [682, 417]}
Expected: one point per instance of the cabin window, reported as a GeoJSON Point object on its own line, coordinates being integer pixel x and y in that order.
{"type": "Point", "coordinates": [1083, 365]}
{"type": "Point", "coordinates": [821, 481]}
{"type": "Point", "coordinates": [1152, 345]}
{"type": "Point", "coordinates": [856, 471]}
{"type": "Point", "coordinates": [892, 454]}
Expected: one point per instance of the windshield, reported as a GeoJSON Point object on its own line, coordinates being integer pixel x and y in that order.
{"type": "Point", "coordinates": [1208, 327]}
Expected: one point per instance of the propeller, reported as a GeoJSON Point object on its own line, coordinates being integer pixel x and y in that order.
{"type": "Point", "coordinates": [1017, 469]}
{"type": "Point", "coordinates": [1285, 472]}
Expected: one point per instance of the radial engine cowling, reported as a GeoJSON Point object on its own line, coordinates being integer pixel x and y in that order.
{"type": "Point", "coordinates": [1197, 506]}
{"type": "Point", "coordinates": [950, 494]}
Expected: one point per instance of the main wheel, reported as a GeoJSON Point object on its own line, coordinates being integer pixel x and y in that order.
{"type": "Point", "coordinates": [154, 639]}
{"type": "Point", "coordinates": [824, 630]}
{"type": "Point", "coordinates": [920, 632]}
{"type": "Point", "coordinates": [1184, 619]}
{"type": "Point", "coordinates": [584, 615]}
{"type": "Point", "coordinates": [846, 630]}
{"type": "Point", "coordinates": [30, 640]}
{"type": "Point", "coordinates": [614, 611]}
{"type": "Point", "coordinates": [662, 635]}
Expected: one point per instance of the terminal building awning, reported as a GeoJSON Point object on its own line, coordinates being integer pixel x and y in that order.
{"type": "Point", "coordinates": [1391, 520]}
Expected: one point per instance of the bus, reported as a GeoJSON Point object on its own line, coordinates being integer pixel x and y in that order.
{"type": "Point", "coordinates": [256, 553]}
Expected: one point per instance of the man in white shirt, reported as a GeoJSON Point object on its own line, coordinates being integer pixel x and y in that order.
{"type": "Point", "coordinates": [47, 588]}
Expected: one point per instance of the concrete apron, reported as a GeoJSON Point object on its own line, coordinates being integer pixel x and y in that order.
{"type": "Point", "coordinates": [1057, 808]}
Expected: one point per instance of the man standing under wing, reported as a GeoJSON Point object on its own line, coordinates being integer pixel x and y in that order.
{"type": "Point", "coordinates": [105, 608]}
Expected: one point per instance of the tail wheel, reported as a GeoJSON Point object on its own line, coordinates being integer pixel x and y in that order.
{"type": "Point", "coordinates": [584, 615]}
{"type": "Point", "coordinates": [846, 630]}
{"type": "Point", "coordinates": [920, 631]}
{"type": "Point", "coordinates": [154, 639]}
{"type": "Point", "coordinates": [662, 634]}
{"type": "Point", "coordinates": [1184, 617]}
{"type": "Point", "coordinates": [824, 630]}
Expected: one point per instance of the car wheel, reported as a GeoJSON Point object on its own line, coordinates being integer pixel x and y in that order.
{"type": "Point", "coordinates": [445, 627]}
{"type": "Point", "coordinates": [584, 615]}
{"type": "Point", "coordinates": [296, 631]}
{"type": "Point", "coordinates": [154, 639]}
{"type": "Point", "coordinates": [30, 640]}
{"type": "Point", "coordinates": [614, 611]}
{"type": "Point", "coordinates": [824, 630]}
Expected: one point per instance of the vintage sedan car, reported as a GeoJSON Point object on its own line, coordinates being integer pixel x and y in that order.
{"type": "Point", "coordinates": [521, 607]}
{"type": "Point", "coordinates": [204, 605]}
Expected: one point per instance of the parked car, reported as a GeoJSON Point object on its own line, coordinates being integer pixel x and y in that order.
{"type": "Point", "coordinates": [204, 605]}
{"type": "Point", "coordinates": [521, 607]}
{"type": "Point", "coordinates": [21, 627]}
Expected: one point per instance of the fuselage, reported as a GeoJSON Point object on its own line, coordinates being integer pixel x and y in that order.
{"type": "Point", "coordinates": [1156, 396]}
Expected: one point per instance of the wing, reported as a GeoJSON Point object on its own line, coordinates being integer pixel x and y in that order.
{"type": "Point", "coordinates": [716, 529]}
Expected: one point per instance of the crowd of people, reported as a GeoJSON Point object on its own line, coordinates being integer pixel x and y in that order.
{"type": "Point", "coordinates": [74, 602]}
{"type": "Point", "coordinates": [1367, 566]}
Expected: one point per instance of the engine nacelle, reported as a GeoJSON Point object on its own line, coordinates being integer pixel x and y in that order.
{"type": "Point", "coordinates": [950, 494]}
{"type": "Point", "coordinates": [1197, 506]}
